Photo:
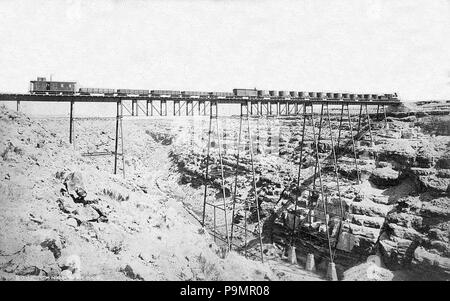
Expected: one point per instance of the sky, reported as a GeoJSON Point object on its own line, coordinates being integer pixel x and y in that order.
{"type": "Point", "coordinates": [366, 46]}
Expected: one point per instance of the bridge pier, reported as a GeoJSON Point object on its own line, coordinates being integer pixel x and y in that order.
{"type": "Point", "coordinates": [71, 122]}
{"type": "Point", "coordinates": [132, 108]}
{"type": "Point", "coordinates": [163, 104]}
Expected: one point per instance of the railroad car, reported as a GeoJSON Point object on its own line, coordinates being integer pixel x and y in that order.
{"type": "Point", "coordinates": [337, 95]}
{"type": "Point", "coordinates": [346, 96]}
{"type": "Point", "coordinates": [374, 96]}
{"type": "Point", "coordinates": [273, 93]}
{"type": "Point", "coordinates": [312, 94]}
{"type": "Point", "coordinates": [320, 95]}
{"type": "Point", "coordinates": [329, 95]}
{"type": "Point", "coordinates": [303, 94]}
{"type": "Point", "coordinates": [99, 91]}
{"type": "Point", "coordinates": [263, 93]}
{"type": "Point", "coordinates": [165, 93]}
{"type": "Point", "coordinates": [132, 92]}
{"type": "Point", "coordinates": [194, 94]}
{"type": "Point", "coordinates": [43, 86]}
{"type": "Point", "coordinates": [221, 94]}
{"type": "Point", "coordinates": [283, 93]}
{"type": "Point", "coordinates": [293, 94]}
{"type": "Point", "coordinates": [360, 96]}
{"type": "Point", "coordinates": [391, 96]}
{"type": "Point", "coordinates": [354, 97]}
{"type": "Point", "coordinates": [367, 97]}
{"type": "Point", "coordinates": [245, 92]}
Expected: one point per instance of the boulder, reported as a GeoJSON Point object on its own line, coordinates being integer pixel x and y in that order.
{"type": "Point", "coordinates": [385, 177]}
{"type": "Point", "coordinates": [75, 187]}
{"type": "Point", "coordinates": [434, 185]}
{"type": "Point", "coordinates": [32, 260]}
{"type": "Point", "coordinates": [86, 214]}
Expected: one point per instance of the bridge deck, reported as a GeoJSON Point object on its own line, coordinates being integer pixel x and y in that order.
{"type": "Point", "coordinates": [230, 100]}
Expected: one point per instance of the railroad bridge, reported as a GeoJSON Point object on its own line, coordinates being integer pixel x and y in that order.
{"type": "Point", "coordinates": [356, 117]}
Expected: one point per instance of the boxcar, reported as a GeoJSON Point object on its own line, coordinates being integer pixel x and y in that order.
{"type": "Point", "coordinates": [43, 86]}
{"type": "Point", "coordinates": [337, 95]}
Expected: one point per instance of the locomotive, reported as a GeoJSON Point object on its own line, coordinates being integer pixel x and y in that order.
{"type": "Point", "coordinates": [44, 87]}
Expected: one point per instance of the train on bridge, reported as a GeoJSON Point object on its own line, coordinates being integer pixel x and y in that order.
{"type": "Point", "coordinates": [43, 87]}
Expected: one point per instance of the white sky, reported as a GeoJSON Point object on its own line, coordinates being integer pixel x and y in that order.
{"type": "Point", "coordinates": [324, 45]}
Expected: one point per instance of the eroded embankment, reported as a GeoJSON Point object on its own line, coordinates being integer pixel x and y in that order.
{"type": "Point", "coordinates": [400, 211]}
{"type": "Point", "coordinates": [64, 216]}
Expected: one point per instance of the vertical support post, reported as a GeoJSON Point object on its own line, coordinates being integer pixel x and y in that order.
{"type": "Point", "coordinates": [353, 142]}
{"type": "Point", "coordinates": [132, 107]}
{"type": "Point", "coordinates": [160, 107]}
{"type": "Point", "coordinates": [359, 118]}
{"type": "Point", "coordinates": [18, 106]}
{"type": "Point", "coordinates": [340, 126]}
{"type": "Point", "coordinates": [336, 174]}
{"type": "Point", "coordinates": [254, 187]}
{"type": "Point", "coordinates": [318, 140]}
{"type": "Point", "coordinates": [316, 146]}
{"type": "Point", "coordinates": [236, 172]}
{"type": "Point", "coordinates": [116, 146]}
{"type": "Point", "coordinates": [71, 123]}
{"type": "Point", "coordinates": [121, 139]}
{"type": "Point", "coordinates": [369, 125]}
{"type": "Point", "coordinates": [299, 173]}
{"type": "Point", "coordinates": [219, 142]}
{"type": "Point", "coordinates": [146, 107]}
{"type": "Point", "coordinates": [207, 166]}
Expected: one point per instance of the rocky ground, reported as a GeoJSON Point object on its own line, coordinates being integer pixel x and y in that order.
{"type": "Point", "coordinates": [67, 216]}
{"type": "Point", "coordinates": [399, 211]}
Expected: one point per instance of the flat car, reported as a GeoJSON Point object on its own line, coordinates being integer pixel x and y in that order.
{"type": "Point", "coordinates": [89, 91]}
{"type": "Point", "coordinates": [221, 94]}
{"type": "Point", "coordinates": [194, 94]}
{"type": "Point", "coordinates": [132, 92]}
{"type": "Point", "coordinates": [166, 93]}
{"type": "Point", "coordinates": [245, 92]}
